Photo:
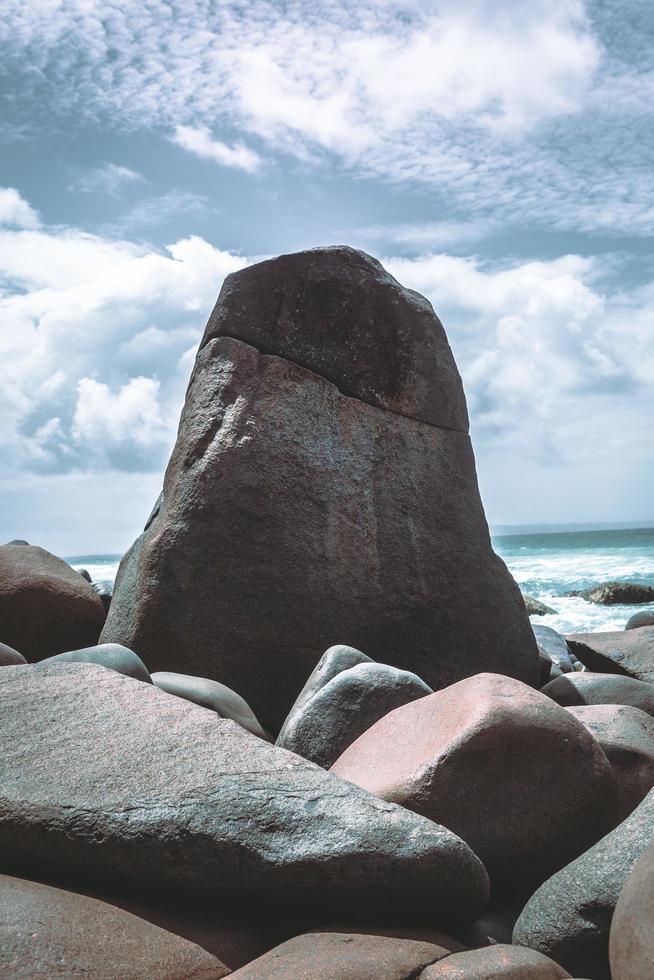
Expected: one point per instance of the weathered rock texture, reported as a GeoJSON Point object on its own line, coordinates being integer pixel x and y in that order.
{"type": "Point", "coordinates": [45, 606]}
{"type": "Point", "coordinates": [322, 489]}
{"type": "Point", "coordinates": [501, 765]}
{"type": "Point", "coordinates": [569, 917]}
{"type": "Point", "coordinates": [49, 932]}
{"type": "Point", "coordinates": [114, 779]}
{"type": "Point", "coordinates": [629, 652]}
{"type": "Point", "coordinates": [631, 943]}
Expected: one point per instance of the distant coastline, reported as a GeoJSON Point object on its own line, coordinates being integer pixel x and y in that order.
{"type": "Point", "coordinates": [505, 530]}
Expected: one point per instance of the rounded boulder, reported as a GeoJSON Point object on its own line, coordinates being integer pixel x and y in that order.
{"type": "Point", "coordinates": [631, 943]}
{"type": "Point", "coordinates": [588, 688]}
{"type": "Point", "coordinates": [542, 787]}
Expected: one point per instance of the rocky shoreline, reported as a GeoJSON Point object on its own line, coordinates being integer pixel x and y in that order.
{"type": "Point", "coordinates": [313, 733]}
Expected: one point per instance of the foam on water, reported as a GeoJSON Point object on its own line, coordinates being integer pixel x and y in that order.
{"type": "Point", "coordinates": [544, 565]}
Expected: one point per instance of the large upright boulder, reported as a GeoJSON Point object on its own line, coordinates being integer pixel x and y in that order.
{"type": "Point", "coordinates": [115, 780]}
{"type": "Point", "coordinates": [45, 606]}
{"type": "Point", "coordinates": [322, 490]}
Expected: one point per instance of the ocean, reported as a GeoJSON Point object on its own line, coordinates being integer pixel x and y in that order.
{"type": "Point", "coordinates": [544, 566]}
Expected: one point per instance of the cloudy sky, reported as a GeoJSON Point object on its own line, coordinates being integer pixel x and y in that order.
{"type": "Point", "coordinates": [496, 155]}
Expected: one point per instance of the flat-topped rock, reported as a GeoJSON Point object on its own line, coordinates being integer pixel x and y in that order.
{"type": "Point", "coordinates": [180, 798]}
{"type": "Point", "coordinates": [48, 932]}
{"type": "Point", "coordinates": [324, 518]}
{"type": "Point", "coordinates": [45, 606]}
{"type": "Point", "coordinates": [339, 313]}
{"type": "Point", "coordinates": [466, 756]}
{"type": "Point", "coordinates": [500, 962]}
{"type": "Point", "coordinates": [616, 593]}
{"type": "Point", "coordinates": [629, 652]}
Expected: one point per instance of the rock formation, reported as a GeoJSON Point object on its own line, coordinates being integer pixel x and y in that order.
{"type": "Point", "coordinates": [322, 490]}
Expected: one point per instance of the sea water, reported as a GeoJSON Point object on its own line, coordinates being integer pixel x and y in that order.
{"type": "Point", "coordinates": [545, 566]}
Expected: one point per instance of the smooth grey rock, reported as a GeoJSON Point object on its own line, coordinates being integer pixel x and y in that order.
{"type": "Point", "coordinates": [84, 572]}
{"type": "Point", "coordinates": [122, 782]}
{"type": "Point", "coordinates": [590, 688]}
{"type": "Point", "coordinates": [48, 932]}
{"type": "Point", "coordinates": [113, 656]}
{"type": "Point", "coordinates": [212, 695]}
{"type": "Point", "coordinates": [643, 618]}
{"type": "Point", "coordinates": [45, 606]}
{"type": "Point", "coordinates": [322, 515]}
{"type": "Point", "coordinates": [10, 657]}
{"type": "Point", "coordinates": [626, 735]}
{"type": "Point", "coordinates": [627, 652]}
{"type": "Point", "coordinates": [568, 918]}
{"type": "Point", "coordinates": [332, 662]}
{"type": "Point", "coordinates": [553, 646]}
{"type": "Point", "coordinates": [18, 541]}
{"type": "Point", "coordinates": [346, 707]}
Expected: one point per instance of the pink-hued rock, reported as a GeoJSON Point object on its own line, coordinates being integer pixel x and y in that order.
{"type": "Point", "coordinates": [345, 956]}
{"type": "Point", "coordinates": [48, 932]}
{"type": "Point", "coordinates": [513, 774]}
{"type": "Point", "coordinates": [45, 606]}
{"type": "Point", "coordinates": [631, 942]}
{"type": "Point", "coordinates": [500, 962]}
{"type": "Point", "coordinates": [627, 737]}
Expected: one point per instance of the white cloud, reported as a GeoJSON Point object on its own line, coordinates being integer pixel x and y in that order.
{"type": "Point", "coordinates": [14, 210]}
{"type": "Point", "coordinates": [94, 346]}
{"type": "Point", "coordinates": [518, 112]}
{"type": "Point", "coordinates": [425, 236]}
{"type": "Point", "coordinates": [109, 179]}
{"type": "Point", "coordinates": [199, 141]}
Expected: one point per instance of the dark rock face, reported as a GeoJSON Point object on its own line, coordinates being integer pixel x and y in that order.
{"type": "Point", "coordinates": [616, 593]}
{"type": "Point", "coordinates": [337, 312]}
{"type": "Point", "coordinates": [181, 798]}
{"type": "Point", "coordinates": [346, 707]}
{"type": "Point", "coordinates": [500, 962]}
{"type": "Point", "coordinates": [476, 741]}
{"type": "Point", "coordinates": [48, 932]}
{"type": "Point", "coordinates": [627, 737]}
{"type": "Point", "coordinates": [10, 657]}
{"type": "Point", "coordinates": [628, 652]}
{"type": "Point", "coordinates": [568, 918]}
{"type": "Point", "coordinates": [344, 956]}
{"type": "Point", "coordinates": [212, 695]}
{"type": "Point", "coordinates": [536, 608]}
{"type": "Point", "coordinates": [323, 517]}
{"type": "Point", "coordinates": [113, 656]}
{"type": "Point", "coordinates": [45, 606]}
{"type": "Point", "coordinates": [643, 618]}
{"type": "Point", "coordinates": [588, 688]}
{"type": "Point", "coordinates": [631, 943]}
{"type": "Point", "coordinates": [554, 647]}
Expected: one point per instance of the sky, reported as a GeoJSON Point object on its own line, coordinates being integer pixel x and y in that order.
{"type": "Point", "coordinates": [496, 156]}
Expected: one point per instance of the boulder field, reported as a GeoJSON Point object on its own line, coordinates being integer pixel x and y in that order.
{"type": "Point", "coordinates": [423, 796]}
{"type": "Point", "coordinates": [322, 489]}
